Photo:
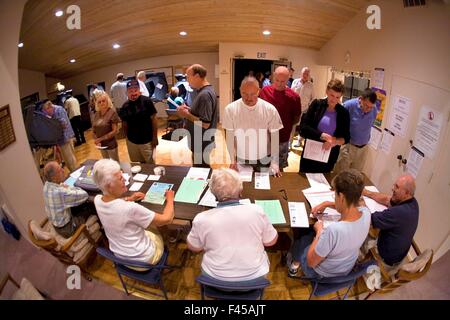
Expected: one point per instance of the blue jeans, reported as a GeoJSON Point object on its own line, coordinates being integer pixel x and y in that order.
{"type": "Point", "coordinates": [300, 249]}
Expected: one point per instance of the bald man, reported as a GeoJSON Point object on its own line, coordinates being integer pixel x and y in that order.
{"type": "Point", "coordinates": [397, 223]}
{"type": "Point", "coordinates": [287, 103]}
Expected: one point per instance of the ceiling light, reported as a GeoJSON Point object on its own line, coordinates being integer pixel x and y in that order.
{"type": "Point", "coordinates": [116, 46]}
{"type": "Point", "coordinates": [72, 61]}
{"type": "Point", "coordinates": [183, 33]}
{"type": "Point", "coordinates": [266, 32]}
{"type": "Point", "coordinates": [20, 45]}
{"type": "Point", "coordinates": [59, 13]}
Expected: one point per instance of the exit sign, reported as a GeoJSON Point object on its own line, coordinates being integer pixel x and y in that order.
{"type": "Point", "coordinates": [261, 55]}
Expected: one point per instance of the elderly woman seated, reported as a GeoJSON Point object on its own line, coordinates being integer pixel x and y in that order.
{"type": "Point", "coordinates": [125, 222]}
{"type": "Point", "coordinates": [233, 235]}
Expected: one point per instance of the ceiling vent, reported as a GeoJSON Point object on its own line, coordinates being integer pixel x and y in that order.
{"type": "Point", "coordinates": [413, 3]}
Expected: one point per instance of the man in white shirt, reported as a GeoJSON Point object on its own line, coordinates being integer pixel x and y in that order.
{"type": "Point", "coordinates": [232, 236]}
{"type": "Point", "coordinates": [305, 89]}
{"type": "Point", "coordinates": [252, 126]}
{"type": "Point", "coordinates": [141, 79]}
{"type": "Point", "coordinates": [119, 92]}
{"type": "Point", "coordinates": [72, 107]}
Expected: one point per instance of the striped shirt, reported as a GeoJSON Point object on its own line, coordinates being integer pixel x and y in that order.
{"type": "Point", "coordinates": [58, 201]}
{"type": "Point", "coordinates": [61, 115]}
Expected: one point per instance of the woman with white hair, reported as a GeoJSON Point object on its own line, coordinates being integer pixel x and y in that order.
{"type": "Point", "coordinates": [105, 126]}
{"type": "Point", "coordinates": [125, 222]}
{"type": "Point", "coordinates": [233, 235]}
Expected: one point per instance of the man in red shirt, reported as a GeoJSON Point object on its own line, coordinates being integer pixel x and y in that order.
{"type": "Point", "coordinates": [287, 102]}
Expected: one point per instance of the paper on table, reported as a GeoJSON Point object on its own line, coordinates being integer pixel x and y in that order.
{"type": "Point", "coordinates": [317, 196]}
{"type": "Point", "coordinates": [299, 217]}
{"type": "Point", "coordinates": [372, 204]}
{"type": "Point", "coordinates": [157, 192]}
{"type": "Point", "coordinates": [314, 151]}
{"type": "Point", "coordinates": [329, 216]}
{"type": "Point", "coordinates": [245, 173]}
{"type": "Point", "coordinates": [208, 200]}
{"type": "Point", "coordinates": [318, 181]}
{"type": "Point", "coordinates": [70, 181]}
{"type": "Point", "coordinates": [198, 173]}
{"type": "Point", "coordinates": [153, 177]}
{"type": "Point", "coordinates": [273, 210]}
{"type": "Point", "coordinates": [140, 177]}
{"type": "Point", "coordinates": [77, 173]}
{"type": "Point", "coordinates": [190, 190]}
{"type": "Point", "coordinates": [136, 186]}
{"type": "Point", "coordinates": [245, 201]}
{"type": "Point", "coordinates": [262, 181]}
{"type": "Point", "coordinates": [371, 188]}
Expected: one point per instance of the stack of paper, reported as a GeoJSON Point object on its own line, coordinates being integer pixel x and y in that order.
{"type": "Point", "coordinates": [314, 151]}
{"type": "Point", "coordinates": [198, 173]}
{"type": "Point", "coordinates": [157, 193]}
{"type": "Point", "coordinates": [318, 181]}
{"type": "Point", "coordinates": [372, 204]}
{"type": "Point", "coordinates": [273, 210]}
{"type": "Point", "coordinates": [316, 196]}
{"type": "Point", "coordinates": [190, 190]}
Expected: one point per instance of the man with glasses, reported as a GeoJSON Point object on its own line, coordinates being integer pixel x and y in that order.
{"type": "Point", "coordinates": [252, 127]}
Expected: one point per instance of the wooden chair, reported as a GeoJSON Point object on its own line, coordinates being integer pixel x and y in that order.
{"type": "Point", "coordinates": [405, 272]}
{"type": "Point", "coordinates": [79, 249]}
{"type": "Point", "coordinates": [25, 290]}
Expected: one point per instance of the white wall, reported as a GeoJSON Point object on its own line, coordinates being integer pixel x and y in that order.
{"type": "Point", "coordinates": [20, 185]}
{"type": "Point", "coordinates": [413, 46]}
{"type": "Point", "coordinates": [108, 74]}
{"type": "Point", "coordinates": [298, 56]}
{"type": "Point", "coordinates": [31, 82]}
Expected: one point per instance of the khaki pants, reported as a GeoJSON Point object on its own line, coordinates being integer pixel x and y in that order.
{"type": "Point", "coordinates": [140, 152]}
{"type": "Point", "coordinates": [111, 154]}
{"type": "Point", "coordinates": [68, 155]}
{"type": "Point", "coordinates": [351, 156]}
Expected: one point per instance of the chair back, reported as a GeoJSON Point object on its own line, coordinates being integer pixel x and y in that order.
{"type": "Point", "coordinates": [232, 290]}
{"type": "Point", "coordinates": [325, 286]}
{"type": "Point", "coordinates": [137, 270]}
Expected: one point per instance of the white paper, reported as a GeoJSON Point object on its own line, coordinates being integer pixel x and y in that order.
{"type": "Point", "coordinates": [329, 216]}
{"type": "Point", "coordinates": [140, 177]}
{"type": "Point", "coordinates": [101, 147]}
{"type": "Point", "coordinates": [401, 107]}
{"type": "Point", "coordinates": [386, 141]}
{"type": "Point", "coordinates": [414, 162]}
{"type": "Point", "coordinates": [317, 196]}
{"type": "Point", "coordinates": [126, 177]}
{"type": "Point", "coordinates": [208, 200]}
{"type": "Point", "coordinates": [198, 173]}
{"type": "Point", "coordinates": [375, 137]}
{"type": "Point", "coordinates": [245, 201]}
{"type": "Point", "coordinates": [377, 78]}
{"type": "Point", "coordinates": [136, 186]}
{"type": "Point", "coordinates": [245, 172]}
{"type": "Point", "coordinates": [371, 188]}
{"type": "Point", "coordinates": [314, 151]}
{"type": "Point", "coordinates": [428, 131]}
{"type": "Point", "coordinates": [318, 181]}
{"type": "Point", "coordinates": [159, 86]}
{"type": "Point", "coordinates": [262, 181]}
{"type": "Point", "coordinates": [299, 217]}
{"type": "Point", "coordinates": [153, 177]}
{"type": "Point", "coordinates": [371, 204]}
{"type": "Point", "coordinates": [77, 173]}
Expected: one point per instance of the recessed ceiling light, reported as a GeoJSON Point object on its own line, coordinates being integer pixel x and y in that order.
{"type": "Point", "coordinates": [20, 45]}
{"type": "Point", "coordinates": [59, 13]}
{"type": "Point", "coordinates": [183, 33]}
{"type": "Point", "coordinates": [266, 32]}
{"type": "Point", "coordinates": [116, 46]}
{"type": "Point", "coordinates": [72, 61]}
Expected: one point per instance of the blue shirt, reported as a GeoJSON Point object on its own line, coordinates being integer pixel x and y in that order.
{"type": "Point", "coordinates": [360, 122]}
{"type": "Point", "coordinates": [61, 115]}
{"type": "Point", "coordinates": [328, 122]}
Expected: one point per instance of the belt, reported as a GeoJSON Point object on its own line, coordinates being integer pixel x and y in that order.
{"type": "Point", "coordinates": [361, 146]}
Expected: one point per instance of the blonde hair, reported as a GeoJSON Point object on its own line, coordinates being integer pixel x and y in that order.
{"type": "Point", "coordinates": [108, 100]}
{"type": "Point", "coordinates": [103, 173]}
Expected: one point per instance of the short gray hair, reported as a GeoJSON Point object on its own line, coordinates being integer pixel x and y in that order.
{"type": "Point", "coordinates": [249, 80]}
{"type": "Point", "coordinates": [225, 184]}
{"type": "Point", "coordinates": [50, 170]}
{"type": "Point", "coordinates": [104, 171]}
{"type": "Point", "coordinates": [140, 74]}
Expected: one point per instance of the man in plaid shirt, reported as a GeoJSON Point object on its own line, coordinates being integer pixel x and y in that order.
{"type": "Point", "coordinates": [66, 206]}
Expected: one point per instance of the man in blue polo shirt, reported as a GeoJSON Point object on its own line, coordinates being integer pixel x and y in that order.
{"type": "Point", "coordinates": [362, 115]}
{"type": "Point", "coordinates": [397, 223]}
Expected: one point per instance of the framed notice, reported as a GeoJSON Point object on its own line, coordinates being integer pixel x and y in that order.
{"type": "Point", "coordinates": [7, 135]}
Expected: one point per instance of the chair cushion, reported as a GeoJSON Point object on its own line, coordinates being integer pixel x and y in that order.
{"type": "Point", "coordinates": [419, 263]}
{"type": "Point", "coordinates": [27, 292]}
{"type": "Point", "coordinates": [38, 232]}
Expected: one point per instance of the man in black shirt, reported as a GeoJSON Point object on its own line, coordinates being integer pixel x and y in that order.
{"type": "Point", "coordinates": [202, 116]}
{"type": "Point", "coordinates": [138, 116]}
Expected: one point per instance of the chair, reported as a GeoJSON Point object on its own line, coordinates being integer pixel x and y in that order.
{"type": "Point", "coordinates": [394, 277]}
{"type": "Point", "coordinates": [228, 290]}
{"type": "Point", "coordinates": [152, 274]}
{"type": "Point", "coordinates": [79, 249]}
{"type": "Point", "coordinates": [325, 286]}
{"type": "Point", "coordinates": [173, 120]}
{"type": "Point", "coordinates": [25, 291]}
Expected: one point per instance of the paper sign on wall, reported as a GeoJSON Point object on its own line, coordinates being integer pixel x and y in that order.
{"type": "Point", "coordinates": [375, 137]}
{"type": "Point", "coordinates": [428, 131]}
{"type": "Point", "coordinates": [414, 162]}
{"type": "Point", "coordinates": [377, 78]}
{"type": "Point", "coordinates": [386, 141]}
{"type": "Point", "coordinates": [401, 107]}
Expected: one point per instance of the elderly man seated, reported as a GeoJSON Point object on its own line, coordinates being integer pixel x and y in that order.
{"type": "Point", "coordinates": [66, 206]}
{"type": "Point", "coordinates": [397, 223]}
{"type": "Point", "coordinates": [233, 235]}
{"type": "Point", "coordinates": [125, 222]}
{"type": "Point", "coordinates": [333, 251]}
